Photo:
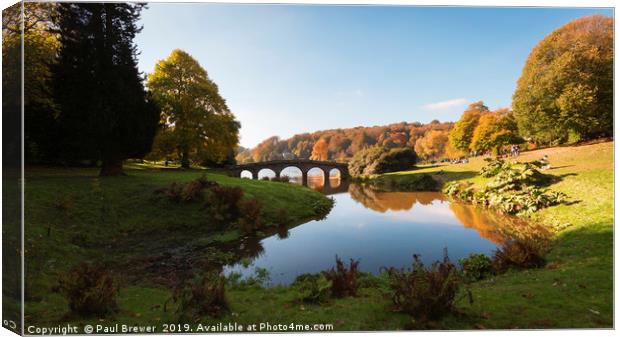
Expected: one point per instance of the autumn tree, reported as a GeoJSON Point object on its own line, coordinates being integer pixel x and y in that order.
{"type": "Point", "coordinates": [40, 48]}
{"type": "Point", "coordinates": [565, 92]}
{"type": "Point", "coordinates": [195, 118]}
{"type": "Point", "coordinates": [432, 145]}
{"type": "Point", "coordinates": [104, 112]}
{"type": "Point", "coordinates": [320, 150]}
{"type": "Point", "coordinates": [494, 130]}
{"type": "Point", "coordinates": [462, 132]}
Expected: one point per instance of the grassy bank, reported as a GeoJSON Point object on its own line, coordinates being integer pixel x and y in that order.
{"type": "Point", "coordinates": [576, 287]}
{"type": "Point", "coordinates": [149, 243]}
{"type": "Point", "coordinates": [573, 290]}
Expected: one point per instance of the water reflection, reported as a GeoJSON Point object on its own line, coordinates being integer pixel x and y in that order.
{"type": "Point", "coordinates": [382, 229]}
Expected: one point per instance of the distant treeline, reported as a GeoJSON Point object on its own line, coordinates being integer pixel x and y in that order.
{"type": "Point", "coordinates": [341, 144]}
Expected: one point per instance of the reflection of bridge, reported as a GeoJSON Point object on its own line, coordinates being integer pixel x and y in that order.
{"type": "Point", "coordinates": [304, 165]}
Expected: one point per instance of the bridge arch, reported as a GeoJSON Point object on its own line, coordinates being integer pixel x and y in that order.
{"type": "Point", "coordinates": [294, 174]}
{"type": "Point", "coordinates": [266, 173]}
{"type": "Point", "coordinates": [246, 174]}
{"type": "Point", "coordinates": [335, 172]}
{"type": "Point", "coordinates": [278, 166]}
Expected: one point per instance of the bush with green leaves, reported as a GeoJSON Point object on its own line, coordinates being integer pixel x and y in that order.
{"type": "Point", "coordinates": [377, 159]}
{"type": "Point", "coordinates": [514, 189]}
{"type": "Point", "coordinates": [417, 182]}
{"type": "Point", "coordinates": [425, 293]}
{"type": "Point", "coordinates": [313, 288]}
{"type": "Point", "coordinates": [476, 267]}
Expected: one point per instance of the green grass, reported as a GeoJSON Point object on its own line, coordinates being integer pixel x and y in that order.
{"type": "Point", "coordinates": [72, 215]}
{"type": "Point", "coordinates": [575, 289]}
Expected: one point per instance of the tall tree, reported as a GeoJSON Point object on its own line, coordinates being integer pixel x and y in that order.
{"type": "Point", "coordinates": [565, 92]}
{"type": "Point", "coordinates": [194, 114]}
{"type": "Point", "coordinates": [105, 112]}
{"type": "Point", "coordinates": [463, 130]}
{"type": "Point", "coordinates": [40, 48]}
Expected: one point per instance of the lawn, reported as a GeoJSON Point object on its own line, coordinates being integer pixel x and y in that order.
{"type": "Point", "coordinates": [148, 242]}
{"type": "Point", "coordinates": [575, 289]}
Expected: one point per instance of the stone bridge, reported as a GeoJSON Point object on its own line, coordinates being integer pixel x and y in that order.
{"type": "Point", "coordinates": [304, 165]}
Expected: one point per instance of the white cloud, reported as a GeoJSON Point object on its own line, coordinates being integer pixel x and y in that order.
{"type": "Point", "coordinates": [446, 104]}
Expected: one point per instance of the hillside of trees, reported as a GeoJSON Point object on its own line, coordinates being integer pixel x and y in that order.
{"type": "Point", "coordinates": [342, 144]}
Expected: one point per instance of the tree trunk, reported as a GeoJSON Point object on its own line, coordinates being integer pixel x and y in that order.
{"type": "Point", "coordinates": [111, 167]}
{"type": "Point", "coordinates": [185, 160]}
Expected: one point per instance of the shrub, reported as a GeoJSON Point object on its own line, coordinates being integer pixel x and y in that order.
{"type": "Point", "coordinates": [192, 191]}
{"type": "Point", "coordinates": [313, 288]}
{"type": "Point", "coordinates": [251, 215]}
{"type": "Point", "coordinates": [223, 203]}
{"type": "Point", "coordinates": [377, 159]}
{"type": "Point", "coordinates": [417, 182]}
{"type": "Point", "coordinates": [282, 179]}
{"type": "Point", "coordinates": [323, 207]}
{"type": "Point", "coordinates": [172, 192]}
{"type": "Point", "coordinates": [476, 267]}
{"type": "Point", "coordinates": [520, 253]}
{"type": "Point", "coordinates": [343, 279]}
{"type": "Point", "coordinates": [515, 189]}
{"type": "Point", "coordinates": [202, 296]}
{"type": "Point", "coordinates": [493, 167]}
{"type": "Point", "coordinates": [425, 293]}
{"type": "Point", "coordinates": [89, 290]}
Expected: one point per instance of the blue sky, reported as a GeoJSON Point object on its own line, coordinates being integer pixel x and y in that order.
{"type": "Point", "coordinates": [287, 69]}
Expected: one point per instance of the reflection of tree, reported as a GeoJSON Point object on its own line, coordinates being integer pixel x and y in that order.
{"type": "Point", "coordinates": [395, 201]}
{"type": "Point", "coordinates": [494, 226]}
{"type": "Point", "coordinates": [482, 221]}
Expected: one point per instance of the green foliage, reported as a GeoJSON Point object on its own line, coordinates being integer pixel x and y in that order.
{"type": "Point", "coordinates": [418, 182]}
{"type": "Point", "coordinates": [313, 288]}
{"type": "Point", "coordinates": [201, 296]}
{"type": "Point", "coordinates": [343, 279]}
{"type": "Point", "coordinates": [282, 179]}
{"type": "Point", "coordinates": [476, 267]}
{"type": "Point", "coordinates": [521, 253]}
{"type": "Point", "coordinates": [89, 290]}
{"type": "Point", "coordinates": [376, 160]}
{"type": "Point", "coordinates": [199, 126]}
{"type": "Point", "coordinates": [514, 189]}
{"type": "Point", "coordinates": [566, 88]}
{"type": "Point", "coordinates": [259, 280]}
{"type": "Point", "coordinates": [41, 47]}
{"type": "Point", "coordinates": [323, 207]}
{"type": "Point", "coordinates": [425, 293]}
{"type": "Point", "coordinates": [104, 112]}
{"type": "Point", "coordinates": [493, 167]}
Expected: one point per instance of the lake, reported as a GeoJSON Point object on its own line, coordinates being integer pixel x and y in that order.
{"type": "Point", "coordinates": [381, 229]}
